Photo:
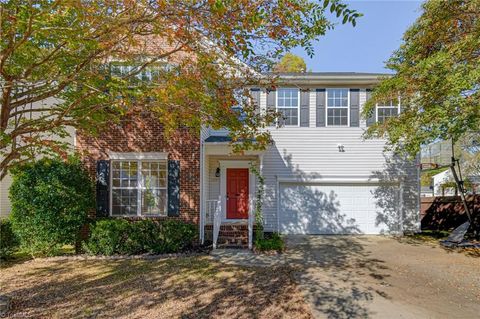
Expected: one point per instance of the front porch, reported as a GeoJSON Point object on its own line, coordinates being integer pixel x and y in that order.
{"type": "Point", "coordinates": [228, 196]}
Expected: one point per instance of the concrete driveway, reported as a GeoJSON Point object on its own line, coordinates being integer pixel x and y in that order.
{"type": "Point", "coordinates": [382, 277]}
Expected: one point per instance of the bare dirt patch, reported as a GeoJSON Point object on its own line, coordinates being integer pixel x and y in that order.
{"type": "Point", "coordinates": [193, 287]}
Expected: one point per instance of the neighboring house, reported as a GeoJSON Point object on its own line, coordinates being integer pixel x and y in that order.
{"type": "Point", "coordinates": [321, 175]}
{"type": "Point", "coordinates": [442, 184]}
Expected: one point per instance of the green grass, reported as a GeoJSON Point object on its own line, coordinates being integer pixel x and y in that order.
{"type": "Point", "coordinates": [272, 242]}
{"type": "Point", "coordinates": [431, 235]}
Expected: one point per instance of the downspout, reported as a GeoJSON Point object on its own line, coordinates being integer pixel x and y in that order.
{"type": "Point", "coordinates": [202, 199]}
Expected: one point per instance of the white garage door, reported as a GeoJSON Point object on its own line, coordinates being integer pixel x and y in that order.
{"type": "Point", "coordinates": [333, 209]}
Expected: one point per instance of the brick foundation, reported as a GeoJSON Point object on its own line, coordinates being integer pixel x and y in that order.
{"type": "Point", "coordinates": [230, 235]}
{"type": "Point", "coordinates": [144, 133]}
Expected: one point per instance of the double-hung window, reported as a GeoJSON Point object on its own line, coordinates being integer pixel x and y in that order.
{"type": "Point", "coordinates": [387, 109]}
{"type": "Point", "coordinates": [139, 188]}
{"type": "Point", "coordinates": [337, 107]}
{"type": "Point", "coordinates": [288, 103]}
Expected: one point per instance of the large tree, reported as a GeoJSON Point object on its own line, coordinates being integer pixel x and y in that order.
{"type": "Point", "coordinates": [80, 63]}
{"type": "Point", "coordinates": [290, 63]}
{"type": "Point", "coordinates": [437, 76]}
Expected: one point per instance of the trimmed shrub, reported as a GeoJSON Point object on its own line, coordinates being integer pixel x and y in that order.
{"type": "Point", "coordinates": [175, 236]}
{"type": "Point", "coordinates": [8, 239]}
{"type": "Point", "coordinates": [271, 242]}
{"type": "Point", "coordinates": [108, 237]}
{"type": "Point", "coordinates": [118, 236]}
{"type": "Point", "coordinates": [50, 202]}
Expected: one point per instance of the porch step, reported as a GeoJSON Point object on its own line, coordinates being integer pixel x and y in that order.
{"type": "Point", "coordinates": [233, 236]}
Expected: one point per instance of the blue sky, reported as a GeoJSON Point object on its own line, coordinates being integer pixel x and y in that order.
{"type": "Point", "coordinates": [367, 46]}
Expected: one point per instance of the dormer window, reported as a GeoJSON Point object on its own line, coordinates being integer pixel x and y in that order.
{"type": "Point", "coordinates": [288, 103]}
{"type": "Point", "coordinates": [386, 110]}
{"type": "Point", "coordinates": [337, 107]}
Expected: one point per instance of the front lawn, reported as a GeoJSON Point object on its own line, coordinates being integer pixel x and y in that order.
{"type": "Point", "coordinates": [190, 287]}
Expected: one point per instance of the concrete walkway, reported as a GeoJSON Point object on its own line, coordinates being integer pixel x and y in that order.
{"type": "Point", "coordinates": [245, 257]}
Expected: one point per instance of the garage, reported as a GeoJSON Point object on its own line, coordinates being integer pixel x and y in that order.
{"type": "Point", "coordinates": [336, 208]}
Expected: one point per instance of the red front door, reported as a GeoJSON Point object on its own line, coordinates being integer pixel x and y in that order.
{"type": "Point", "coordinates": [237, 193]}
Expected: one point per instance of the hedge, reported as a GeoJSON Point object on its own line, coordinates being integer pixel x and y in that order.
{"type": "Point", "coordinates": [121, 237]}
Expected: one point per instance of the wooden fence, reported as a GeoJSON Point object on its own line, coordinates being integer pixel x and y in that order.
{"type": "Point", "coordinates": [447, 212]}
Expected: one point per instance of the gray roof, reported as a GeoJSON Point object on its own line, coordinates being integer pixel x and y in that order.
{"type": "Point", "coordinates": [218, 139]}
{"type": "Point", "coordinates": [221, 139]}
{"type": "Point", "coordinates": [320, 74]}
{"type": "Point", "coordinates": [361, 79]}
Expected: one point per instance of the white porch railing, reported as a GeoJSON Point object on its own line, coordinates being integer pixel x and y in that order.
{"type": "Point", "coordinates": [211, 206]}
{"type": "Point", "coordinates": [214, 216]}
{"type": "Point", "coordinates": [251, 218]}
{"type": "Point", "coordinates": [217, 221]}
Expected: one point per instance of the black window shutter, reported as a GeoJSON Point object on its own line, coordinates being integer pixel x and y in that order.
{"type": "Point", "coordinates": [304, 108]}
{"type": "Point", "coordinates": [354, 107]}
{"type": "Point", "coordinates": [173, 188]}
{"type": "Point", "coordinates": [320, 107]}
{"type": "Point", "coordinates": [271, 101]}
{"type": "Point", "coordinates": [371, 115]}
{"type": "Point", "coordinates": [103, 188]}
{"type": "Point", "coordinates": [255, 93]}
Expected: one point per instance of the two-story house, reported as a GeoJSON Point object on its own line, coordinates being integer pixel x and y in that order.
{"type": "Point", "coordinates": [320, 175]}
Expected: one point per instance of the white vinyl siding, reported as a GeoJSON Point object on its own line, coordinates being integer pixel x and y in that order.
{"type": "Point", "coordinates": [338, 107]}
{"type": "Point", "coordinates": [313, 108]}
{"type": "Point", "coordinates": [317, 157]}
{"type": "Point", "coordinates": [4, 200]}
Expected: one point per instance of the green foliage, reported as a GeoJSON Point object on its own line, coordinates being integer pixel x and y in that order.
{"type": "Point", "coordinates": [273, 242]}
{"type": "Point", "coordinates": [260, 192]}
{"type": "Point", "coordinates": [467, 184]}
{"type": "Point", "coordinates": [8, 239]}
{"type": "Point", "coordinates": [290, 63]}
{"type": "Point", "coordinates": [50, 202]}
{"type": "Point", "coordinates": [68, 53]}
{"type": "Point", "coordinates": [436, 75]}
{"type": "Point", "coordinates": [119, 236]}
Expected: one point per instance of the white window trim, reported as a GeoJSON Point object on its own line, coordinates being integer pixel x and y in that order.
{"type": "Point", "coordinates": [326, 107]}
{"type": "Point", "coordinates": [298, 106]}
{"type": "Point", "coordinates": [138, 156]}
{"type": "Point", "coordinates": [139, 187]}
{"type": "Point", "coordinates": [386, 107]}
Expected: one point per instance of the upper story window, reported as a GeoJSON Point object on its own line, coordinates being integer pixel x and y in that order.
{"type": "Point", "coordinates": [337, 107]}
{"type": "Point", "coordinates": [387, 109]}
{"type": "Point", "coordinates": [139, 188]}
{"type": "Point", "coordinates": [240, 100]}
{"type": "Point", "coordinates": [288, 103]}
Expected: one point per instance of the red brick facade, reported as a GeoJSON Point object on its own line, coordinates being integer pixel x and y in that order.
{"type": "Point", "coordinates": [143, 133]}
